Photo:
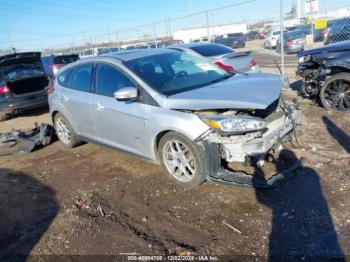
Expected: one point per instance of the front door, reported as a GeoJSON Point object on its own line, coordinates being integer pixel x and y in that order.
{"type": "Point", "coordinates": [119, 123]}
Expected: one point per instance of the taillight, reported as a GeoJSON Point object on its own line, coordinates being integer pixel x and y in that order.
{"type": "Point", "coordinates": [252, 63]}
{"type": "Point", "coordinates": [289, 42]}
{"type": "Point", "coordinates": [227, 68]}
{"type": "Point", "coordinates": [4, 90]}
{"type": "Point", "coordinates": [55, 68]}
{"type": "Point", "coordinates": [51, 88]}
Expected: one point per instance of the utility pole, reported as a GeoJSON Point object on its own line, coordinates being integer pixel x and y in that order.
{"type": "Point", "coordinates": [299, 10]}
{"type": "Point", "coordinates": [169, 27]}
{"type": "Point", "coordinates": [155, 35]}
{"type": "Point", "coordinates": [109, 34]}
{"type": "Point", "coordinates": [71, 35]}
{"type": "Point", "coordinates": [118, 43]}
{"type": "Point", "coordinates": [207, 18]}
{"type": "Point", "coordinates": [10, 40]}
{"type": "Point", "coordinates": [282, 38]}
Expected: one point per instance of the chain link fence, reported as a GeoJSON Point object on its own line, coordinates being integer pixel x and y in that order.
{"type": "Point", "coordinates": [234, 25]}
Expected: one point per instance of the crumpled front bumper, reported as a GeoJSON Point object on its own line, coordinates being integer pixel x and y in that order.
{"type": "Point", "coordinates": [280, 125]}
{"type": "Point", "coordinates": [279, 129]}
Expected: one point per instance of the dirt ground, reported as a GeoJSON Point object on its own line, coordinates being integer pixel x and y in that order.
{"type": "Point", "coordinates": [92, 200]}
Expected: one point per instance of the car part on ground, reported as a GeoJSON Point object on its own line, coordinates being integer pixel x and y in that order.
{"type": "Point", "coordinates": [223, 56]}
{"type": "Point", "coordinates": [174, 109]}
{"type": "Point", "coordinates": [19, 142]}
{"type": "Point", "coordinates": [23, 83]}
{"type": "Point", "coordinates": [326, 75]}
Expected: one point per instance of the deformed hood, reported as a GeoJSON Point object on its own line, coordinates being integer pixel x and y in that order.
{"type": "Point", "coordinates": [20, 58]}
{"type": "Point", "coordinates": [252, 91]}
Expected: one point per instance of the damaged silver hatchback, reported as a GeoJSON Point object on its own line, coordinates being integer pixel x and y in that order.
{"type": "Point", "coordinates": [176, 110]}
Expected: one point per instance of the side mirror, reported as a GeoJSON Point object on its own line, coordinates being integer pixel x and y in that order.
{"type": "Point", "coordinates": [126, 94]}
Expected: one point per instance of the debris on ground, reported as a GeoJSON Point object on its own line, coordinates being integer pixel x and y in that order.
{"type": "Point", "coordinates": [232, 227]}
{"type": "Point", "coordinates": [19, 142]}
{"type": "Point", "coordinates": [92, 205]}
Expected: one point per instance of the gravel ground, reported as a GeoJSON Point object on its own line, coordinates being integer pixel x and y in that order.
{"type": "Point", "coordinates": [92, 200]}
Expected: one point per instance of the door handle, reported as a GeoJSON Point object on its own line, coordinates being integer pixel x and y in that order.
{"type": "Point", "coordinates": [99, 106]}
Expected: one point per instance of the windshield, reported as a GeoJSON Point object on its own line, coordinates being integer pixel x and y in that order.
{"type": "Point", "coordinates": [20, 71]}
{"type": "Point", "coordinates": [176, 72]}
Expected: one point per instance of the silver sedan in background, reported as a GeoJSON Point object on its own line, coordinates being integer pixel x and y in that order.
{"type": "Point", "coordinates": [223, 56]}
{"type": "Point", "coordinates": [173, 109]}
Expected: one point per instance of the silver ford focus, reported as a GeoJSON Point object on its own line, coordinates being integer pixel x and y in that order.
{"type": "Point", "coordinates": [173, 109]}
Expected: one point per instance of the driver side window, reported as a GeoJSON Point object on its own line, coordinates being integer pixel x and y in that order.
{"type": "Point", "coordinates": [109, 80]}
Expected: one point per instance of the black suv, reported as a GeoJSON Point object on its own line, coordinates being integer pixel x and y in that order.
{"type": "Point", "coordinates": [23, 83]}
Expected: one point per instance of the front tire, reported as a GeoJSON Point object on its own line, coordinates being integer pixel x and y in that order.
{"type": "Point", "coordinates": [185, 162]}
{"type": "Point", "coordinates": [335, 93]}
{"type": "Point", "coordinates": [65, 131]}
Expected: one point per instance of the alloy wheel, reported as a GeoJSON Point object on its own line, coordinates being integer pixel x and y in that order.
{"type": "Point", "coordinates": [62, 130]}
{"type": "Point", "coordinates": [179, 160]}
{"type": "Point", "coordinates": [337, 95]}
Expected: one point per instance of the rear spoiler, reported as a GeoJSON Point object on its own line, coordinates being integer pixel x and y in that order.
{"type": "Point", "coordinates": [20, 58]}
{"type": "Point", "coordinates": [233, 55]}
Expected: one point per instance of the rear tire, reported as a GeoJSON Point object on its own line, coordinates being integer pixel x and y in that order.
{"type": "Point", "coordinates": [3, 116]}
{"type": "Point", "coordinates": [65, 131]}
{"type": "Point", "coordinates": [335, 93]}
{"type": "Point", "coordinates": [186, 163]}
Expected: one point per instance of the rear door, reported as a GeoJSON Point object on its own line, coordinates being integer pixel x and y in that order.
{"type": "Point", "coordinates": [76, 96]}
{"type": "Point", "coordinates": [120, 124]}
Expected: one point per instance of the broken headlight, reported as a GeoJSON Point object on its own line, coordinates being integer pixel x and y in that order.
{"type": "Point", "coordinates": [234, 124]}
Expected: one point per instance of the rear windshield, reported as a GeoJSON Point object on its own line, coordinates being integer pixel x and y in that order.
{"type": "Point", "coordinates": [65, 59]}
{"type": "Point", "coordinates": [212, 50]}
{"type": "Point", "coordinates": [276, 33]}
{"type": "Point", "coordinates": [294, 35]}
{"type": "Point", "coordinates": [19, 72]}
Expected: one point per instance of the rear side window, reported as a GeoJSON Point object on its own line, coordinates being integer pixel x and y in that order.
{"type": "Point", "coordinates": [80, 78]}
{"type": "Point", "coordinates": [63, 78]}
{"type": "Point", "coordinates": [212, 50]}
{"type": "Point", "coordinates": [109, 80]}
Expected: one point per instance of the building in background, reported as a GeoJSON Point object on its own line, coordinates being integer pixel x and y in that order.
{"type": "Point", "coordinates": [190, 34]}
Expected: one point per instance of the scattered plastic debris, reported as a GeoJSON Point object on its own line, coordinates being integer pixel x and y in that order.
{"type": "Point", "coordinates": [19, 142]}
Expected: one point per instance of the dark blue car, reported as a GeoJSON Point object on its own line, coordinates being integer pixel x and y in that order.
{"type": "Point", "coordinates": [23, 83]}
{"type": "Point", "coordinates": [234, 40]}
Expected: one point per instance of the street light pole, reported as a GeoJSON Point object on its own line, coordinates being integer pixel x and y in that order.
{"type": "Point", "coordinates": [282, 37]}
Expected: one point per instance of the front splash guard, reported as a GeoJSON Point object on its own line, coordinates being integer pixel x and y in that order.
{"type": "Point", "coordinates": [242, 179]}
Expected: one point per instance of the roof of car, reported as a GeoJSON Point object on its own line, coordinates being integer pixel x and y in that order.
{"type": "Point", "coordinates": [137, 53]}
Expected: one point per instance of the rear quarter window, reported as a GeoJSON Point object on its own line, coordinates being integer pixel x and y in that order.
{"type": "Point", "coordinates": [63, 77]}
{"type": "Point", "coordinates": [212, 50]}
{"type": "Point", "coordinates": [80, 78]}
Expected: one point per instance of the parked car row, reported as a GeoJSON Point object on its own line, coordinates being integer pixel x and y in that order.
{"type": "Point", "coordinates": [337, 30]}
